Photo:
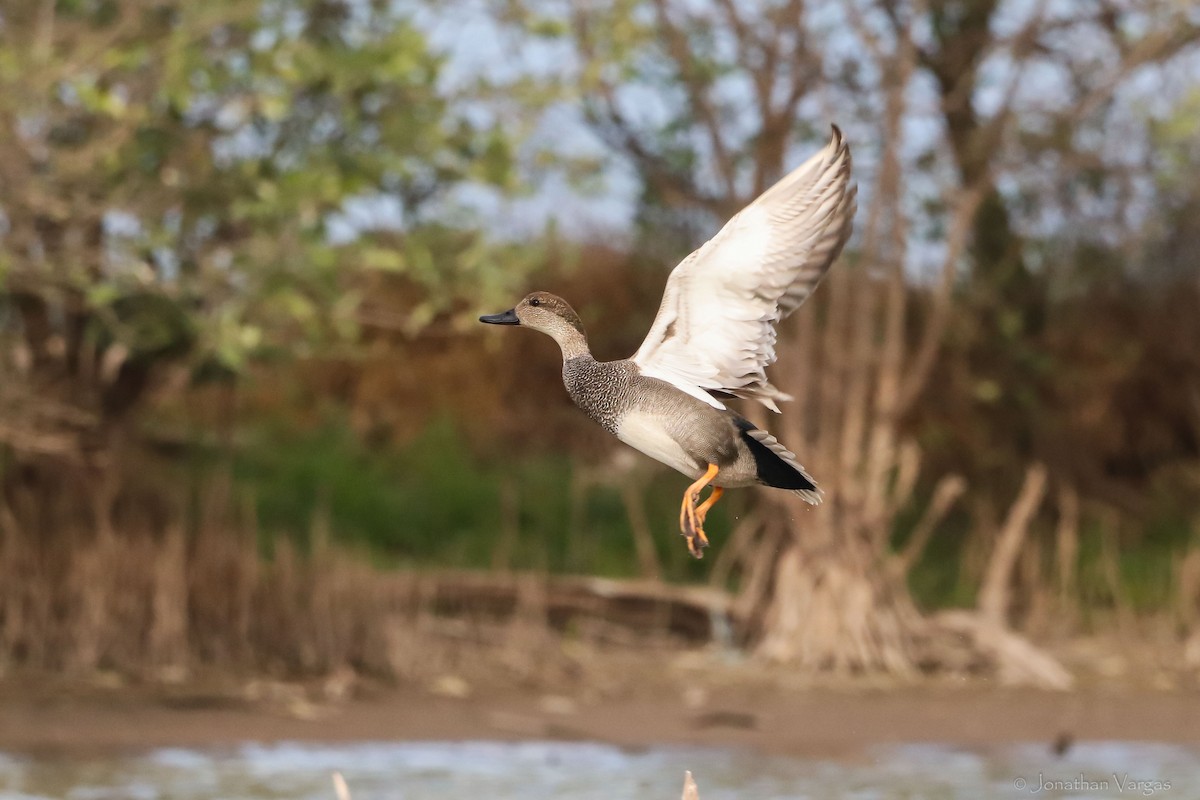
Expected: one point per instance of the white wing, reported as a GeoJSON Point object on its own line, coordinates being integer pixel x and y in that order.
{"type": "Point", "coordinates": [715, 329]}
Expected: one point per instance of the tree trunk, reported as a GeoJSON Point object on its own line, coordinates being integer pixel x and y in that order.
{"type": "Point", "coordinates": [834, 609]}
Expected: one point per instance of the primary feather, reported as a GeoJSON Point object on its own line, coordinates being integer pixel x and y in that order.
{"type": "Point", "coordinates": [715, 328]}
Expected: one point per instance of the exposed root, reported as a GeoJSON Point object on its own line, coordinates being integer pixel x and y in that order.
{"type": "Point", "coordinates": [1015, 659]}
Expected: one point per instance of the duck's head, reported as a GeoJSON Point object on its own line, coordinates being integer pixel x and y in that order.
{"type": "Point", "coordinates": [543, 312]}
{"type": "Point", "coordinates": [549, 314]}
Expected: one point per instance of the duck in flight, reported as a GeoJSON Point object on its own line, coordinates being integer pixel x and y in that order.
{"type": "Point", "coordinates": [713, 337]}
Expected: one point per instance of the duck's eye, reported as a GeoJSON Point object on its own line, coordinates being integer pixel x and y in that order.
{"type": "Point", "coordinates": [535, 302]}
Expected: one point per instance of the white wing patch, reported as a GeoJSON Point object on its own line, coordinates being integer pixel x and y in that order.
{"type": "Point", "coordinates": [715, 328]}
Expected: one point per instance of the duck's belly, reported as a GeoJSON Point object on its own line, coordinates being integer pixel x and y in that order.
{"type": "Point", "coordinates": [651, 434]}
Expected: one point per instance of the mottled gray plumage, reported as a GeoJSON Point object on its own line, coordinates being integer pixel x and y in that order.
{"type": "Point", "coordinates": [610, 391]}
{"type": "Point", "coordinates": [601, 389]}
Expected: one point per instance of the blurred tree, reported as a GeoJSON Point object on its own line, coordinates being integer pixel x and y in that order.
{"type": "Point", "coordinates": [1038, 107]}
{"type": "Point", "coordinates": [212, 181]}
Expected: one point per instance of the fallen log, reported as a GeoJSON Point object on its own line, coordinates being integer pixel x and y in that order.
{"type": "Point", "coordinates": [694, 613]}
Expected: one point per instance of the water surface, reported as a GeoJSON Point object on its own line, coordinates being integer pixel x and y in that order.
{"type": "Point", "coordinates": [586, 771]}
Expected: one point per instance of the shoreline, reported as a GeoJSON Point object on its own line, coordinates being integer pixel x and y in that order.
{"type": "Point", "coordinates": [823, 723]}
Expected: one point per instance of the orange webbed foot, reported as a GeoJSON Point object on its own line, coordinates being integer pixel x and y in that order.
{"type": "Point", "coordinates": [691, 516]}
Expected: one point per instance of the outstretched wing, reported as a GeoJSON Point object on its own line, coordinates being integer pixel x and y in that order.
{"type": "Point", "coordinates": [715, 329]}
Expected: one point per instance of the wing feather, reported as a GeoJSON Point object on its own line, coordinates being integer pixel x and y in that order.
{"type": "Point", "coordinates": [715, 328]}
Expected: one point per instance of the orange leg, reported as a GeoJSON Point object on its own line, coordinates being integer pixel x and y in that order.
{"type": "Point", "coordinates": [691, 518]}
{"type": "Point", "coordinates": [702, 509]}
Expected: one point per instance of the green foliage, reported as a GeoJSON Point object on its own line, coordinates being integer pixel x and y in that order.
{"type": "Point", "coordinates": [410, 505]}
{"type": "Point", "coordinates": [1132, 572]}
{"type": "Point", "coordinates": [433, 503]}
{"type": "Point", "coordinates": [246, 160]}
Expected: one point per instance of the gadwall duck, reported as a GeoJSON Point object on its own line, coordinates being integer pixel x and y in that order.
{"type": "Point", "coordinates": [713, 337]}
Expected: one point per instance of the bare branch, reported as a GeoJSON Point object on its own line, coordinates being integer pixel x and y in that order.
{"type": "Point", "coordinates": [949, 488]}
{"type": "Point", "coordinates": [921, 365]}
{"type": "Point", "coordinates": [621, 134]}
{"type": "Point", "coordinates": [994, 593]}
{"type": "Point", "coordinates": [698, 88]}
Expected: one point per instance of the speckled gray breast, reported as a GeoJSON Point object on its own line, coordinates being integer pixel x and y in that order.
{"type": "Point", "coordinates": [600, 388]}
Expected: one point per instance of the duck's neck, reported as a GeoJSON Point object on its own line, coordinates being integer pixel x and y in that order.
{"type": "Point", "coordinates": [572, 343]}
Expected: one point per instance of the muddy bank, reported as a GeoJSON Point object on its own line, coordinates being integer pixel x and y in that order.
{"type": "Point", "coordinates": [55, 718]}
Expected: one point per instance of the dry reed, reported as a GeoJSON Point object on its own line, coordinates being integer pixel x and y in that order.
{"type": "Point", "coordinates": [221, 597]}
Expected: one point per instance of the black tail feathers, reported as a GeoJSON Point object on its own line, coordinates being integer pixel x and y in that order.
{"type": "Point", "coordinates": [776, 465]}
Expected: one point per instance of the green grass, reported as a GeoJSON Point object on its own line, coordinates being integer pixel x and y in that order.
{"type": "Point", "coordinates": [433, 503]}
{"type": "Point", "coordinates": [1145, 562]}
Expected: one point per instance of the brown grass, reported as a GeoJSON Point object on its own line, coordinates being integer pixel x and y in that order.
{"type": "Point", "coordinates": [166, 603]}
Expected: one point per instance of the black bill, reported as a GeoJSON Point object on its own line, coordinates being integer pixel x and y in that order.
{"type": "Point", "coordinates": [507, 318]}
